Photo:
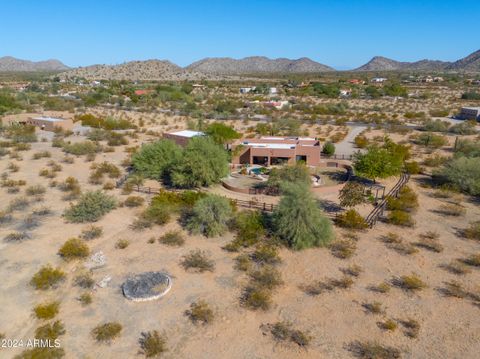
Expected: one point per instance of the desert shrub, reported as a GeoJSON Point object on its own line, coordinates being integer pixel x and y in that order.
{"type": "Point", "coordinates": [409, 282]}
{"type": "Point", "coordinates": [373, 308]}
{"type": "Point", "coordinates": [283, 331]}
{"type": "Point", "coordinates": [50, 331]}
{"type": "Point", "coordinates": [328, 149]}
{"type": "Point", "coordinates": [412, 327]}
{"type": "Point", "coordinates": [200, 313]}
{"type": "Point", "coordinates": [72, 185]}
{"type": "Point", "coordinates": [266, 277]}
{"type": "Point", "coordinates": [108, 186]}
{"type": "Point", "coordinates": [464, 173]}
{"type": "Point", "coordinates": [85, 299]}
{"type": "Point", "coordinates": [383, 287]}
{"type": "Point", "coordinates": [172, 238]}
{"type": "Point", "coordinates": [68, 159]}
{"type": "Point", "coordinates": [74, 248]}
{"type": "Point", "coordinates": [152, 344]}
{"type": "Point", "coordinates": [106, 332]}
{"type": "Point", "coordinates": [91, 232]}
{"type": "Point", "coordinates": [429, 241]}
{"type": "Point", "coordinates": [16, 237]}
{"type": "Point", "coordinates": [473, 231]}
{"type": "Point", "coordinates": [454, 289]}
{"type": "Point", "coordinates": [90, 207]}
{"type": "Point", "coordinates": [202, 163]}
{"type": "Point", "coordinates": [256, 298]}
{"type": "Point", "coordinates": [84, 280]}
{"type": "Point", "coordinates": [198, 260]}
{"type": "Point", "coordinates": [456, 267]}
{"type": "Point", "coordinates": [35, 190]}
{"type": "Point", "coordinates": [413, 167]}
{"type": "Point", "coordinates": [473, 260]}
{"type": "Point", "coordinates": [47, 310]}
{"type": "Point", "coordinates": [378, 162]}
{"type": "Point", "coordinates": [47, 277]}
{"type": "Point", "coordinates": [210, 216]}
{"type": "Point", "coordinates": [42, 353]}
{"type": "Point", "coordinates": [122, 243]}
{"type": "Point", "coordinates": [134, 201]}
{"type": "Point", "coordinates": [41, 154]}
{"type": "Point", "coordinates": [141, 223]}
{"type": "Point", "coordinates": [266, 254]}
{"type": "Point", "coordinates": [351, 194]}
{"type": "Point", "coordinates": [297, 173]}
{"type": "Point", "coordinates": [430, 140]}
{"type": "Point", "coordinates": [343, 248]}
{"type": "Point", "coordinates": [318, 287]}
{"type": "Point", "coordinates": [435, 160]}
{"type": "Point", "coordinates": [351, 219]}
{"type": "Point", "coordinates": [243, 263]}
{"type": "Point", "coordinates": [401, 218]}
{"type": "Point", "coordinates": [18, 204]}
{"type": "Point", "coordinates": [436, 126]}
{"type": "Point", "coordinates": [406, 200]}
{"type": "Point", "coordinates": [155, 160]}
{"type": "Point", "coordinates": [100, 169]}
{"type": "Point", "coordinates": [42, 211]}
{"type": "Point", "coordinates": [5, 217]}
{"type": "Point", "coordinates": [388, 324]}
{"type": "Point", "coordinates": [250, 228]}
{"type": "Point", "coordinates": [13, 167]}
{"type": "Point", "coordinates": [453, 210]}
{"type": "Point", "coordinates": [298, 221]}
{"type": "Point", "coordinates": [81, 148]}
{"type": "Point", "coordinates": [353, 270]}
{"type": "Point", "coordinates": [373, 350]}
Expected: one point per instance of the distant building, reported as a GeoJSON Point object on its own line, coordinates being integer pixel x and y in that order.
{"type": "Point", "coordinates": [470, 113]}
{"type": "Point", "coordinates": [181, 138]}
{"type": "Point", "coordinates": [345, 92]}
{"type": "Point", "coordinates": [356, 82]}
{"type": "Point", "coordinates": [142, 92]}
{"type": "Point", "coordinates": [274, 150]}
{"type": "Point", "coordinates": [247, 89]}
{"type": "Point", "coordinates": [44, 123]}
{"type": "Point", "coordinates": [379, 79]}
{"type": "Point", "coordinates": [276, 104]}
{"type": "Point", "coordinates": [272, 90]}
{"type": "Point", "coordinates": [438, 79]}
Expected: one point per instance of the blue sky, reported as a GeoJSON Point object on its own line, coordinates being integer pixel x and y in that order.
{"type": "Point", "coordinates": [342, 34]}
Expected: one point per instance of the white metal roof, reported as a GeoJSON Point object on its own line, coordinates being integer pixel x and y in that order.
{"type": "Point", "coordinates": [49, 119]}
{"type": "Point", "coordinates": [271, 145]}
{"type": "Point", "coordinates": [187, 133]}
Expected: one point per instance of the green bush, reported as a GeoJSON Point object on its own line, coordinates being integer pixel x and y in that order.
{"type": "Point", "coordinates": [50, 331]}
{"type": "Point", "coordinates": [82, 148]}
{"type": "Point", "coordinates": [297, 173]}
{"type": "Point", "coordinates": [299, 221]}
{"type": "Point", "coordinates": [256, 298]}
{"type": "Point", "coordinates": [203, 163]}
{"type": "Point", "coordinates": [74, 248]}
{"type": "Point", "coordinates": [250, 228]}
{"type": "Point", "coordinates": [90, 207]}
{"type": "Point", "coordinates": [47, 310]}
{"type": "Point", "coordinates": [401, 218]}
{"type": "Point", "coordinates": [210, 216]}
{"type": "Point", "coordinates": [473, 231]}
{"type": "Point", "coordinates": [283, 331]}
{"type": "Point", "coordinates": [106, 332]}
{"type": "Point", "coordinates": [328, 149]}
{"type": "Point", "coordinates": [155, 160]}
{"type": "Point", "coordinates": [351, 219]}
{"type": "Point", "coordinates": [47, 277]}
{"type": "Point", "coordinates": [463, 173]}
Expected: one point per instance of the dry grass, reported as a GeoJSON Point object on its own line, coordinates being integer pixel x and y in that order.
{"type": "Point", "coordinates": [200, 313]}
{"type": "Point", "coordinates": [373, 350]}
{"type": "Point", "coordinates": [199, 261]}
{"type": "Point", "coordinates": [343, 248]}
{"type": "Point", "coordinates": [409, 282]}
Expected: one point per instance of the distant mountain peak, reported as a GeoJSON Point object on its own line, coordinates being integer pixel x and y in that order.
{"type": "Point", "coordinates": [12, 64]}
{"type": "Point", "coordinates": [256, 64]}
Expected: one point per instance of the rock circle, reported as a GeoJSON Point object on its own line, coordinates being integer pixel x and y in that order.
{"type": "Point", "coordinates": [147, 286]}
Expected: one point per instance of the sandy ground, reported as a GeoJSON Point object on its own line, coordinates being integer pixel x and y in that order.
{"type": "Point", "coordinates": [449, 327]}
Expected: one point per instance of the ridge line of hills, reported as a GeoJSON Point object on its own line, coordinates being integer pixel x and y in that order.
{"type": "Point", "coordinates": [215, 68]}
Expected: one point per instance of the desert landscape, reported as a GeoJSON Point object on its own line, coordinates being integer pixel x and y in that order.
{"type": "Point", "coordinates": [238, 207]}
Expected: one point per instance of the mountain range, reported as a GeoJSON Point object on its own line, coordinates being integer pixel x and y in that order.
{"type": "Point", "coordinates": [9, 64]}
{"type": "Point", "coordinates": [219, 67]}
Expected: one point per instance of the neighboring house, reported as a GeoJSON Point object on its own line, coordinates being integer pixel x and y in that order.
{"type": "Point", "coordinates": [470, 113]}
{"type": "Point", "coordinates": [181, 138]}
{"type": "Point", "coordinates": [274, 150]}
{"type": "Point", "coordinates": [44, 123]}
{"type": "Point", "coordinates": [142, 92]}
{"type": "Point", "coordinates": [379, 79]}
{"type": "Point", "coordinates": [345, 93]}
{"type": "Point", "coordinates": [356, 82]}
{"type": "Point", "coordinates": [247, 89]}
{"type": "Point", "coordinates": [276, 104]}
{"type": "Point", "coordinates": [272, 90]}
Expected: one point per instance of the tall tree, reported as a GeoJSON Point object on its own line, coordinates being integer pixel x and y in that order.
{"type": "Point", "coordinates": [299, 221]}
